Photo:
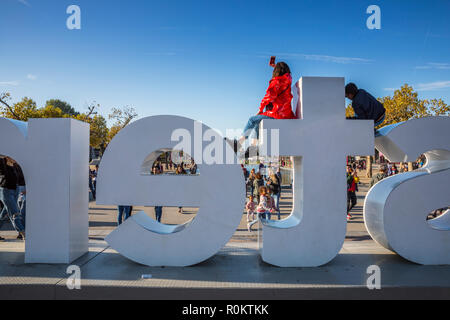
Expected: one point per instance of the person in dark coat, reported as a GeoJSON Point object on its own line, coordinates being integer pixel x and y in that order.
{"type": "Point", "coordinates": [8, 196]}
{"type": "Point", "coordinates": [365, 106]}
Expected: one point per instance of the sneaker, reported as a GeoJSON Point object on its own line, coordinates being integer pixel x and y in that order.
{"type": "Point", "coordinates": [19, 237]}
{"type": "Point", "coordinates": [349, 216]}
{"type": "Point", "coordinates": [2, 239]}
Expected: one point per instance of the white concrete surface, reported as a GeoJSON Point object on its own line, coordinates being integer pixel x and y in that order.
{"type": "Point", "coordinates": [218, 191]}
{"type": "Point", "coordinates": [396, 208]}
{"type": "Point", "coordinates": [314, 233]}
{"type": "Point", "coordinates": [54, 157]}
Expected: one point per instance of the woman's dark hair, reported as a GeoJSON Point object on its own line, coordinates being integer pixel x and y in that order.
{"type": "Point", "coordinates": [281, 69]}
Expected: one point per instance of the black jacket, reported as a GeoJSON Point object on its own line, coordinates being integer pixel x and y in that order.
{"type": "Point", "coordinates": [8, 176]}
{"type": "Point", "coordinates": [366, 106]}
{"type": "Point", "coordinates": [20, 177]}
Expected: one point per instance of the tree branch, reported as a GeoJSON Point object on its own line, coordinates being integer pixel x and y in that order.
{"type": "Point", "coordinates": [3, 98]}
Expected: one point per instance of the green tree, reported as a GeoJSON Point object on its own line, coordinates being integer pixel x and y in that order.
{"type": "Point", "coordinates": [27, 109]}
{"type": "Point", "coordinates": [22, 110]}
{"type": "Point", "coordinates": [405, 105]}
{"type": "Point", "coordinates": [65, 107]}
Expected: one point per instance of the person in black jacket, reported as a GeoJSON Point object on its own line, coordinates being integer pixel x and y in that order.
{"type": "Point", "coordinates": [21, 194]}
{"type": "Point", "coordinates": [8, 195]}
{"type": "Point", "coordinates": [366, 107]}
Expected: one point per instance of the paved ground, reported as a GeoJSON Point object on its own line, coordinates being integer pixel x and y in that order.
{"type": "Point", "coordinates": [236, 272]}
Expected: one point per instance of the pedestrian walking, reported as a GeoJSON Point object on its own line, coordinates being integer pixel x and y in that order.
{"type": "Point", "coordinates": [274, 186]}
{"type": "Point", "coordinates": [351, 192]}
{"type": "Point", "coordinates": [124, 213]}
{"type": "Point", "coordinates": [158, 213]}
{"type": "Point", "coordinates": [250, 207]}
{"type": "Point", "coordinates": [258, 182]}
{"type": "Point", "coordinates": [8, 196]}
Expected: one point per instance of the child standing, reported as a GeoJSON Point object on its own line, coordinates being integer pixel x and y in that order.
{"type": "Point", "coordinates": [264, 205]}
{"type": "Point", "coordinates": [263, 208]}
{"type": "Point", "coordinates": [251, 208]}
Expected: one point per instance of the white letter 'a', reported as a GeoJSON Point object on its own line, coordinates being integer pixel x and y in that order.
{"type": "Point", "coordinates": [396, 208]}
{"type": "Point", "coordinates": [374, 21]}
{"type": "Point", "coordinates": [54, 157]}
{"type": "Point", "coordinates": [74, 21]}
{"type": "Point", "coordinates": [218, 191]}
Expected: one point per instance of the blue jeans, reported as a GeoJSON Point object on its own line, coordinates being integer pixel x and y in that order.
{"type": "Point", "coordinates": [123, 210]}
{"type": "Point", "coordinates": [158, 213]}
{"type": "Point", "coordinates": [376, 124]}
{"type": "Point", "coordinates": [9, 199]}
{"type": "Point", "coordinates": [22, 202]}
{"type": "Point", "coordinates": [260, 216]}
{"type": "Point", "coordinates": [253, 124]}
{"type": "Point", "coordinates": [277, 203]}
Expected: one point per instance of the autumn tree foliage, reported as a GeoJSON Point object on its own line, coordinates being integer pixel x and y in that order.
{"type": "Point", "coordinates": [100, 134]}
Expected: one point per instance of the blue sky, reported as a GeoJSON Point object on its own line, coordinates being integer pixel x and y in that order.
{"type": "Point", "coordinates": [208, 60]}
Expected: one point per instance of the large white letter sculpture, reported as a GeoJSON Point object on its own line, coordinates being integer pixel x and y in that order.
{"type": "Point", "coordinates": [218, 191]}
{"type": "Point", "coordinates": [315, 231]}
{"type": "Point", "coordinates": [54, 157]}
{"type": "Point", "coordinates": [396, 208]}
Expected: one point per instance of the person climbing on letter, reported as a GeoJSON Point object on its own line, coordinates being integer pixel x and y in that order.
{"type": "Point", "coordinates": [276, 104]}
{"type": "Point", "coordinates": [366, 107]}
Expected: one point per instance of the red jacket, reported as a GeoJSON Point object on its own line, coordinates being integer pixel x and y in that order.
{"type": "Point", "coordinates": [279, 94]}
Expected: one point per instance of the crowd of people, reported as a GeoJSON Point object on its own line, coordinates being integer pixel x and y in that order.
{"type": "Point", "coordinates": [171, 168]}
{"type": "Point", "coordinates": [160, 167]}
{"type": "Point", "coordinates": [266, 190]}
{"type": "Point", "coordinates": [12, 195]}
{"type": "Point", "coordinates": [384, 171]}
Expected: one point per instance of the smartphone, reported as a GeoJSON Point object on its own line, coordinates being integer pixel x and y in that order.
{"type": "Point", "coordinates": [272, 61]}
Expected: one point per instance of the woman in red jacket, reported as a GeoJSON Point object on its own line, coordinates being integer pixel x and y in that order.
{"type": "Point", "coordinates": [276, 102]}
